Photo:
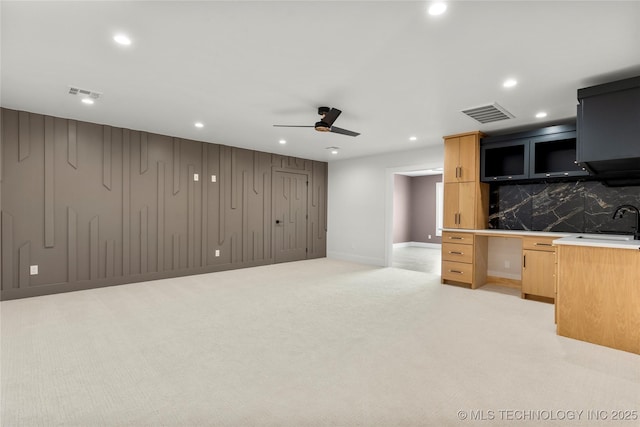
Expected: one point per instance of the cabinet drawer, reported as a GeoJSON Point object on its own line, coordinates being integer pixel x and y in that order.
{"type": "Point", "coordinates": [453, 237]}
{"type": "Point", "coordinates": [457, 271]}
{"type": "Point", "coordinates": [457, 252]}
{"type": "Point", "coordinates": [539, 243]}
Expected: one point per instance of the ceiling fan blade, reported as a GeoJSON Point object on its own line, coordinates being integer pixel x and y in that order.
{"type": "Point", "coordinates": [292, 126]}
{"type": "Point", "coordinates": [331, 116]}
{"type": "Point", "coordinates": [343, 131]}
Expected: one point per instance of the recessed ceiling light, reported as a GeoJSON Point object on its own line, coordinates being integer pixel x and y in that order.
{"type": "Point", "coordinates": [122, 39]}
{"type": "Point", "coordinates": [541, 115]}
{"type": "Point", "coordinates": [282, 141]}
{"type": "Point", "coordinates": [198, 125]}
{"type": "Point", "coordinates": [412, 138]}
{"type": "Point", "coordinates": [334, 151]}
{"type": "Point", "coordinates": [87, 101]}
{"type": "Point", "coordinates": [437, 8]}
{"type": "Point", "coordinates": [510, 83]}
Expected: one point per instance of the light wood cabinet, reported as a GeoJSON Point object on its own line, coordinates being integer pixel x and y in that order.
{"type": "Point", "coordinates": [538, 267]}
{"type": "Point", "coordinates": [598, 296]}
{"type": "Point", "coordinates": [462, 157]}
{"type": "Point", "coordinates": [461, 263]}
{"type": "Point", "coordinates": [466, 200]}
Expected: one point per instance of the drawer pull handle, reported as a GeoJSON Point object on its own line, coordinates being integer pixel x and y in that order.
{"type": "Point", "coordinates": [456, 271]}
{"type": "Point", "coordinates": [544, 244]}
{"type": "Point", "coordinates": [456, 238]}
{"type": "Point", "coordinates": [456, 253]}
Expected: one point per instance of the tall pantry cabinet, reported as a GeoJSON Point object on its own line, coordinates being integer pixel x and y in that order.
{"type": "Point", "coordinates": [466, 199]}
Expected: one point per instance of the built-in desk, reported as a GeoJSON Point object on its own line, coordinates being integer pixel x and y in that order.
{"type": "Point", "coordinates": [466, 260]}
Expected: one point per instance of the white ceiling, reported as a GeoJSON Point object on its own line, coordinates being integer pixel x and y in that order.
{"type": "Point", "coordinates": [240, 67]}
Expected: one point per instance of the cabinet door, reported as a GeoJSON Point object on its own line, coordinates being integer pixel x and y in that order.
{"type": "Point", "coordinates": [450, 218]}
{"type": "Point", "coordinates": [467, 205]}
{"type": "Point", "coordinates": [538, 273]}
{"type": "Point", "coordinates": [468, 158]}
{"type": "Point", "coordinates": [451, 159]}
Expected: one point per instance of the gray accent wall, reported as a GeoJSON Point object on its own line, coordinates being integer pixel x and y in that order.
{"type": "Point", "coordinates": [414, 209]}
{"type": "Point", "coordinates": [93, 205]}
{"type": "Point", "coordinates": [423, 209]}
{"type": "Point", "coordinates": [401, 208]}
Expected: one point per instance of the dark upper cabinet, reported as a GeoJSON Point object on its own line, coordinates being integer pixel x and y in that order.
{"type": "Point", "coordinates": [539, 154]}
{"type": "Point", "coordinates": [609, 131]}
{"type": "Point", "coordinates": [504, 161]}
{"type": "Point", "coordinates": [554, 156]}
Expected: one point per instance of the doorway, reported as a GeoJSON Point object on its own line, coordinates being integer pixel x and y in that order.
{"type": "Point", "coordinates": [416, 225]}
{"type": "Point", "coordinates": [290, 216]}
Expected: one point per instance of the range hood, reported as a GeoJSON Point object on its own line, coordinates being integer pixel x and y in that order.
{"type": "Point", "coordinates": [608, 140]}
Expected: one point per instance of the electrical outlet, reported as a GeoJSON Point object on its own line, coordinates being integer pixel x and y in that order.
{"type": "Point", "coordinates": [196, 177]}
{"type": "Point", "coordinates": [217, 252]}
{"type": "Point", "coordinates": [507, 264]}
{"type": "Point", "coordinates": [213, 178]}
{"type": "Point", "coordinates": [429, 236]}
{"type": "Point", "coordinates": [33, 270]}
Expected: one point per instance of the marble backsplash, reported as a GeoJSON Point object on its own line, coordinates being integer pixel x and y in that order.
{"type": "Point", "coordinates": [579, 207]}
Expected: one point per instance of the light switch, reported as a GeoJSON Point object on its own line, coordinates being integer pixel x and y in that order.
{"type": "Point", "coordinates": [213, 178]}
{"type": "Point", "coordinates": [217, 252]}
{"type": "Point", "coordinates": [33, 270]}
{"type": "Point", "coordinates": [195, 177]}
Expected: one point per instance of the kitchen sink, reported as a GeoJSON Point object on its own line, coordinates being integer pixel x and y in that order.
{"type": "Point", "coordinates": [609, 238]}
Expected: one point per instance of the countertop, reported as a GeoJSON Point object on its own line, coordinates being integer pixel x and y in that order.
{"type": "Point", "coordinates": [573, 239]}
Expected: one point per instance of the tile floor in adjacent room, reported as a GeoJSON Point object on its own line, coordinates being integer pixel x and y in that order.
{"type": "Point", "coordinates": [417, 258]}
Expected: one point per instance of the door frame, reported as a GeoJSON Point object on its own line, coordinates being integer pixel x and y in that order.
{"type": "Point", "coordinates": [389, 174]}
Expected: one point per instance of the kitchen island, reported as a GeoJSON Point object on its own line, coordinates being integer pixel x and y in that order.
{"type": "Point", "coordinates": [598, 291]}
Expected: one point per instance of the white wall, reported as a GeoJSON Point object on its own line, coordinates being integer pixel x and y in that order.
{"type": "Point", "coordinates": [360, 202]}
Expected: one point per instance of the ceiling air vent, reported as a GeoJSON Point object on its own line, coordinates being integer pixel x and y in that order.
{"type": "Point", "coordinates": [488, 113]}
{"type": "Point", "coordinates": [73, 90]}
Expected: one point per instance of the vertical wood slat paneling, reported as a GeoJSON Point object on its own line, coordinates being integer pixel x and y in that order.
{"type": "Point", "coordinates": [110, 246]}
{"type": "Point", "coordinates": [144, 153]}
{"type": "Point", "coordinates": [94, 248]}
{"type": "Point", "coordinates": [7, 250]}
{"type": "Point", "coordinates": [266, 219]}
{"type": "Point", "coordinates": [176, 165]}
{"type": "Point", "coordinates": [245, 216]}
{"type": "Point", "coordinates": [144, 242]}
{"type": "Point", "coordinates": [106, 157]}
{"type": "Point", "coordinates": [256, 173]}
{"type": "Point", "coordinates": [222, 195]}
{"type": "Point", "coordinates": [24, 136]}
{"type": "Point", "coordinates": [126, 202]}
{"type": "Point", "coordinates": [234, 179]}
{"type": "Point", "coordinates": [205, 204]}
{"type": "Point", "coordinates": [176, 251]}
{"type": "Point", "coordinates": [72, 245]}
{"type": "Point", "coordinates": [49, 185]}
{"type": "Point", "coordinates": [24, 260]}
{"type": "Point", "coordinates": [72, 143]}
{"type": "Point", "coordinates": [191, 223]}
{"type": "Point", "coordinates": [161, 221]}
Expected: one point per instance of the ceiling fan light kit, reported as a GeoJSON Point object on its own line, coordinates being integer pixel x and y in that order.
{"type": "Point", "coordinates": [329, 115]}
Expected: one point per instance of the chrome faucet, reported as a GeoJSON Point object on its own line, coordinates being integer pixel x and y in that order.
{"type": "Point", "coordinates": [621, 210]}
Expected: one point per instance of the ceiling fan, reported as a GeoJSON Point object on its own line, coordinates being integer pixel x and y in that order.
{"type": "Point", "coordinates": [329, 115]}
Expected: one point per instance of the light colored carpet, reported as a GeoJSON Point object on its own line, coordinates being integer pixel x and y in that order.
{"type": "Point", "coordinates": [311, 343]}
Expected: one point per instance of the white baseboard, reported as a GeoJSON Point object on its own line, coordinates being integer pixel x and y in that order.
{"type": "Point", "coordinates": [356, 258]}
{"type": "Point", "coordinates": [417, 245]}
